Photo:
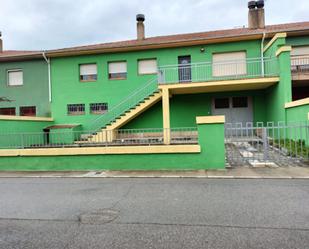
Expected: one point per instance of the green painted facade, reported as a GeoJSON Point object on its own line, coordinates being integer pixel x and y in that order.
{"type": "Point", "coordinates": [268, 105]}
{"type": "Point", "coordinates": [17, 133]}
{"type": "Point", "coordinates": [184, 161]}
{"type": "Point", "coordinates": [33, 92]}
{"type": "Point", "coordinates": [298, 113]}
{"type": "Point", "coordinates": [67, 89]}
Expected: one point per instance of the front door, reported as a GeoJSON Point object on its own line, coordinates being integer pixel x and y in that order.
{"type": "Point", "coordinates": [237, 110]}
{"type": "Point", "coordinates": [184, 68]}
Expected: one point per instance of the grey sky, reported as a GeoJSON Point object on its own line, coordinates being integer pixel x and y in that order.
{"type": "Point", "coordinates": [46, 24]}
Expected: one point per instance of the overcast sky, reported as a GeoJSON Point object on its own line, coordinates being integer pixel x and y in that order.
{"type": "Point", "coordinates": [46, 24]}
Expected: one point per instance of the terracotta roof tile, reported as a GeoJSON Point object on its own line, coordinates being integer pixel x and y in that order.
{"type": "Point", "coordinates": [161, 40]}
{"type": "Point", "coordinates": [7, 53]}
{"type": "Point", "coordinates": [191, 37]}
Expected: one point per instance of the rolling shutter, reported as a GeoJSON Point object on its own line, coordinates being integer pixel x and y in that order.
{"type": "Point", "coordinates": [15, 78]}
{"type": "Point", "coordinates": [147, 66]}
{"type": "Point", "coordinates": [225, 64]}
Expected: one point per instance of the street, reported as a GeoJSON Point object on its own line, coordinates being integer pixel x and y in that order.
{"type": "Point", "coordinates": [153, 213]}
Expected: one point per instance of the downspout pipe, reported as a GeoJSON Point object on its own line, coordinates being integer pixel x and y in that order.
{"type": "Point", "coordinates": [262, 55]}
{"type": "Point", "coordinates": [49, 78]}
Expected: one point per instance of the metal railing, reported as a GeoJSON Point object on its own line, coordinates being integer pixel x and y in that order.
{"type": "Point", "coordinates": [278, 143]}
{"type": "Point", "coordinates": [126, 104]}
{"type": "Point", "coordinates": [53, 139]}
{"type": "Point", "coordinates": [300, 64]}
{"type": "Point", "coordinates": [227, 70]}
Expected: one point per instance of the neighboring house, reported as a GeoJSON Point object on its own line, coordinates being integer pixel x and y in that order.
{"type": "Point", "coordinates": [169, 91]}
{"type": "Point", "coordinates": [24, 83]}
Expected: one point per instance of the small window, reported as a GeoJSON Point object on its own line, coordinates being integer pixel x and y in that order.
{"type": "Point", "coordinates": [8, 111]}
{"type": "Point", "coordinates": [76, 109]}
{"type": "Point", "coordinates": [117, 70]}
{"type": "Point", "coordinates": [147, 66]}
{"type": "Point", "coordinates": [240, 102]}
{"type": "Point", "coordinates": [15, 78]}
{"type": "Point", "coordinates": [27, 111]}
{"type": "Point", "coordinates": [88, 72]}
{"type": "Point", "coordinates": [98, 108]}
{"type": "Point", "coordinates": [229, 64]}
{"type": "Point", "coordinates": [222, 103]}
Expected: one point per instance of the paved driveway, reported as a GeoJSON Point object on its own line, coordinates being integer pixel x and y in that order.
{"type": "Point", "coordinates": [153, 213]}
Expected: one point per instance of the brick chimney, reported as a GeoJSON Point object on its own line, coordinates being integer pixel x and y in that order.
{"type": "Point", "coordinates": [256, 15]}
{"type": "Point", "coordinates": [140, 18]}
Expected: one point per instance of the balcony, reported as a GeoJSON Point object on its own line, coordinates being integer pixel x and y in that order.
{"type": "Point", "coordinates": [249, 74]}
{"type": "Point", "coordinates": [300, 67]}
{"type": "Point", "coordinates": [225, 70]}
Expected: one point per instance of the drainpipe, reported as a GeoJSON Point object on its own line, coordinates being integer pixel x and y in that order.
{"type": "Point", "coordinates": [262, 55]}
{"type": "Point", "coordinates": [49, 79]}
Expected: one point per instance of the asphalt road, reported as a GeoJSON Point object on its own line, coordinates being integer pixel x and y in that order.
{"type": "Point", "coordinates": [153, 213]}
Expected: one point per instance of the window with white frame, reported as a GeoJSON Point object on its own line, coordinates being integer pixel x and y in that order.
{"type": "Point", "coordinates": [147, 66]}
{"type": "Point", "coordinates": [98, 108]}
{"type": "Point", "coordinates": [300, 57]}
{"type": "Point", "coordinates": [76, 109]}
{"type": "Point", "coordinates": [88, 72]}
{"type": "Point", "coordinates": [15, 77]}
{"type": "Point", "coordinates": [117, 70]}
{"type": "Point", "coordinates": [227, 64]}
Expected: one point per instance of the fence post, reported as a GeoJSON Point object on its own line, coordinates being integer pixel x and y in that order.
{"type": "Point", "coordinates": [22, 141]}
{"type": "Point", "coordinates": [265, 143]}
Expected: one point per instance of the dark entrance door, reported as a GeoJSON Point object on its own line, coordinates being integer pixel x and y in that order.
{"type": "Point", "coordinates": [184, 68]}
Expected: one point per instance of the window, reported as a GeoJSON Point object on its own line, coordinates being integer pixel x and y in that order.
{"type": "Point", "coordinates": [8, 111]}
{"type": "Point", "coordinates": [88, 72]}
{"type": "Point", "coordinates": [76, 109]}
{"type": "Point", "coordinates": [117, 70]}
{"type": "Point", "coordinates": [300, 50]}
{"type": "Point", "coordinates": [147, 66]}
{"type": "Point", "coordinates": [222, 103]}
{"type": "Point", "coordinates": [300, 58]}
{"type": "Point", "coordinates": [15, 78]}
{"type": "Point", "coordinates": [27, 111]}
{"type": "Point", "coordinates": [240, 102]}
{"type": "Point", "coordinates": [98, 108]}
{"type": "Point", "coordinates": [228, 64]}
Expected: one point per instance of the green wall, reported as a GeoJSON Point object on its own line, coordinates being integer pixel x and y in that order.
{"type": "Point", "coordinates": [297, 40]}
{"type": "Point", "coordinates": [185, 108]}
{"type": "Point", "coordinates": [67, 89]}
{"type": "Point", "coordinates": [34, 91]}
{"type": "Point", "coordinates": [21, 133]}
{"type": "Point", "coordinates": [183, 161]}
{"type": "Point", "coordinates": [297, 113]}
{"type": "Point", "coordinates": [281, 93]}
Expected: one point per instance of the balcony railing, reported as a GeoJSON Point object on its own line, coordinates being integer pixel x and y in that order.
{"type": "Point", "coordinates": [300, 64]}
{"type": "Point", "coordinates": [124, 137]}
{"type": "Point", "coordinates": [226, 70]}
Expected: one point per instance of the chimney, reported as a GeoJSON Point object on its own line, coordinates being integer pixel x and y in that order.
{"type": "Point", "coordinates": [1, 43]}
{"type": "Point", "coordinates": [140, 18]}
{"type": "Point", "coordinates": [256, 16]}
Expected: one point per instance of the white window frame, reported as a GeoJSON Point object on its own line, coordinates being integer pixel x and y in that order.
{"type": "Point", "coordinates": [146, 72]}
{"type": "Point", "coordinates": [92, 76]}
{"type": "Point", "coordinates": [229, 67]}
{"type": "Point", "coordinates": [105, 104]}
{"type": "Point", "coordinates": [120, 72]}
{"type": "Point", "coordinates": [14, 71]}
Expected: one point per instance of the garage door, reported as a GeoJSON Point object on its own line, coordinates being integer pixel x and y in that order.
{"type": "Point", "coordinates": [235, 109]}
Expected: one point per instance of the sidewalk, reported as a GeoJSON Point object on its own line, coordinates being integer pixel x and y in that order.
{"type": "Point", "coordinates": [267, 172]}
